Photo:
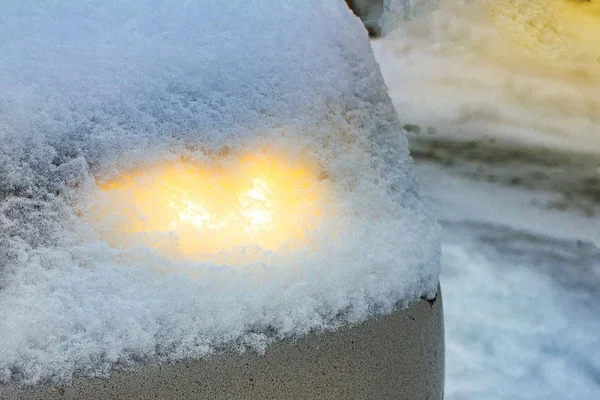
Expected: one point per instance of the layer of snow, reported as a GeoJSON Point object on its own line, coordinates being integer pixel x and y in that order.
{"type": "Point", "coordinates": [88, 89]}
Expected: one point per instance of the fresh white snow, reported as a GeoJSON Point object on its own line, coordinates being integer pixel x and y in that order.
{"type": "Point", "coordinates": [91, 89]}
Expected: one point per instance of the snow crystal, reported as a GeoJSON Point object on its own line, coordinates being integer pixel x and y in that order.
{"type": "Point", "coordinates": [91, 89]}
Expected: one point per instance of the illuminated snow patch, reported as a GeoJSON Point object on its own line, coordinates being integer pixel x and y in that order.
{"type": "Point", "coordinates": [187, 210]}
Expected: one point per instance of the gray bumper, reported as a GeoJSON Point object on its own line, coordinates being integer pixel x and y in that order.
{"type": "Point", "coordinates": [400, 356]}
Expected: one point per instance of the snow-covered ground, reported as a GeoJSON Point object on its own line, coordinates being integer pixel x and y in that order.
{"type": "Point", "coordinates": [521, 288]}
{"type": "Point", "coordinates": [521, 223]}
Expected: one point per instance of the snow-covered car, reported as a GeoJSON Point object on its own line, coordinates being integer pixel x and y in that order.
{"type": "Point", "coordinates": [208, 200]}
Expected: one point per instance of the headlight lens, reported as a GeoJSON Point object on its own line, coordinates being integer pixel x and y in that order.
{"type": "Point", "coordinates": [185, 209]}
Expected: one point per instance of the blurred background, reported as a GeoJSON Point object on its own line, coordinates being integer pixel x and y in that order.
{"type": "Point", "coordinates": [501, 102]}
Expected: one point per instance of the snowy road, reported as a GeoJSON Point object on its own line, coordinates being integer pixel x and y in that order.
{"type": "Point", "coordinates": [520, 299]}
{"type": "Point", "coordinates": [502, 101]}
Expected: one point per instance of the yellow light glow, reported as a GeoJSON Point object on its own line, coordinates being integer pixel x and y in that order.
{"type": "Point", "coordinates": [194, 211]}
{"type": "Point", "coordinates": [561, 30]}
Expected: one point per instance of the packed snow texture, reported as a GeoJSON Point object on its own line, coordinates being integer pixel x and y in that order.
{"type": "Point", "coordinates": [91, 89]}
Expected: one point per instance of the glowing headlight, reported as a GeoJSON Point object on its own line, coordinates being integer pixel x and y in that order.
{"type": "Point", "coordinates": [559, 29]}
{"type": "Point", "coordinates": [184, 209]}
